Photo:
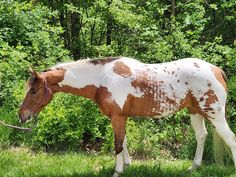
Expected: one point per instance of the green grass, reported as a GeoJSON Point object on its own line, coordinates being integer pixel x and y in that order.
{"type": "Point", "coordinates": [20, 162]}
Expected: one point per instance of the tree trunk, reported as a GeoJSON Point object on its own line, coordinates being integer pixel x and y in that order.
{"type": "Point", "coordinates": [109, 24]}
{"type": "Point", "coordinates": [173, 8]}
{"type": "Point", "coordinates": [75, 31]}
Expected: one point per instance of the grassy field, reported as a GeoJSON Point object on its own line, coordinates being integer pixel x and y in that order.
{"type": "Point", "coordinates": [18, 162]}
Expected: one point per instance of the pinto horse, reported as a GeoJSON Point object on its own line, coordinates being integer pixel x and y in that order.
{"type": "Point", "coordinates": [123, 87]}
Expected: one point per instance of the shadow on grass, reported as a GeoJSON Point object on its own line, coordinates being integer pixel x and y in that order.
{"type": "Point", "coordinates": [158, 171]}
{"type": "Point", "coordinates": [102, 173]}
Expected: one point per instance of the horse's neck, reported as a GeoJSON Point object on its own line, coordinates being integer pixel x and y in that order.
{"type": "Point", "coordinates": [82, 80]}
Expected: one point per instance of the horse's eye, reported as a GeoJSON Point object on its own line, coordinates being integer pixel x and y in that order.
{"type": "Point", "coordinates": [33, 91]}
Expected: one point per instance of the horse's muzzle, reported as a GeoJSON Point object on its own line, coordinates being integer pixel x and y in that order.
{"type": "Point", "coordinates": [24, 115]}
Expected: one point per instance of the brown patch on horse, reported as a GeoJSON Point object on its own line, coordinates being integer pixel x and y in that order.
{"type": "Point", "coordinates": [54, 76]}
{"type": "Point", "coordinates": [212, 98]}
{"type": "Point", "coordinates": [106, 103]}
{"type": "Point", "coordinates": [148, 104]}
{"type": "Point", "coordinates": [122, 69]}
{"type": "Point", "coordinates": [88, 91]}
{"type": "Point", "coordinates": [220, 76]}
{"type": "Point", "coordinates": [103, 61]}
{"type": "Point", "coordinates": [144, 105]}
{"type": "Point", "coordinates": [193, 104]}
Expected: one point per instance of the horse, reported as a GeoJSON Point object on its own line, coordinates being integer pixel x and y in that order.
{"type": "Point", "coordinates": [124, 87]}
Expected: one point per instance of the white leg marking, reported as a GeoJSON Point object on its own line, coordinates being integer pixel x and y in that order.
{"type": "Point", "coordinates": [225, 133]}
{"type": "Point", "coordinates": [119, 164]}
{"type": "Point", "coordinates": [198, 124]}
{"type": "Point", "coordinates": [125, 153]}
{"type": "Point", "coordinates": [122, 160]}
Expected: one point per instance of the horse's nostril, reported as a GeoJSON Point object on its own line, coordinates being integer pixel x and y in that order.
{"type": "Point", "coordinates": [22, 120]}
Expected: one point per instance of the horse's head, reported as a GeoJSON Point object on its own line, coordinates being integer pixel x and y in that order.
{"type": "Point", "coordinates": [38, 96]}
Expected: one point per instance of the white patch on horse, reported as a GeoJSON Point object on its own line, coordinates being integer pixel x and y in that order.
{"type": "Point", "coordinates": [81, 73]}
{"type": "Point", "coordinates": [120, 87]}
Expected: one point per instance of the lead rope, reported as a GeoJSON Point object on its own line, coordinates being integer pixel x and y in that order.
{"type": "Point", "coordinates": [16, 127]}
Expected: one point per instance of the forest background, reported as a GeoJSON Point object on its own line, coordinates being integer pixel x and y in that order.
{"type": "Point", "coordinates": [41, 33]}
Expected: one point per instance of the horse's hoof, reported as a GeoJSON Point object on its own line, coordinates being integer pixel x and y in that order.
{"type": "Point", "coordinates": [126, 166]}
{"type": "Point", "coordinates": [116, 174]}
{"type": "Point", "coordinates": [193, 167]}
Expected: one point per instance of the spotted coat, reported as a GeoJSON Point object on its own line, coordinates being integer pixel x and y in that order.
{"type": "Point", "coordinates": [133, 88]}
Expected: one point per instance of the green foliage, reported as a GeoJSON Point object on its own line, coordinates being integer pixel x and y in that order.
{"type": "Point", "coordinates": [66, 123]}
{"type": "Point", "coordinates": [232, 88]}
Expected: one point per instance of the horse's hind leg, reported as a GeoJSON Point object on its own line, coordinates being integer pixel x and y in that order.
{"type": "Point", "coordinates": [198, 124]}
{"type": "Point", "coordinates": [222, 128]}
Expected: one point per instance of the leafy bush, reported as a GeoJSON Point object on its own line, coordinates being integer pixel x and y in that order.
{"type": "Point", "coordinates": [72, 124]}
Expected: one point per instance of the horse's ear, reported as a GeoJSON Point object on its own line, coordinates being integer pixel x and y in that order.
{"type": "Point", "coordinates": [33, 73]}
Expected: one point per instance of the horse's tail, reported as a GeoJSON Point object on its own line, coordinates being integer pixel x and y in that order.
{"type": "Point", "coordinates": [221, 150]}
{"type": "Point", "coordinates": [218, 148]}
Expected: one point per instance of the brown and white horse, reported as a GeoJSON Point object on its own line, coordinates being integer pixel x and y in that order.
{"type": "Point", "coordinates": [123, 87]}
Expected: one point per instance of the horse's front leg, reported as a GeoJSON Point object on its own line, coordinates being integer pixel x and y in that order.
{"type": "Point", "coordinates": [126, 157]}
{"type": "Point", "coordinates": [118, 124]}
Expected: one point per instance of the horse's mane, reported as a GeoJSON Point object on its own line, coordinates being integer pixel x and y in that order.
{"type": "Point", "coordinates": [95, 61]}
{"type": "Point", "coordinates": [103, 61]}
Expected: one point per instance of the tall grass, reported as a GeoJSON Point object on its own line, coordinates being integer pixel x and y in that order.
{"type": "Point", "coordinates": [20, 162]}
